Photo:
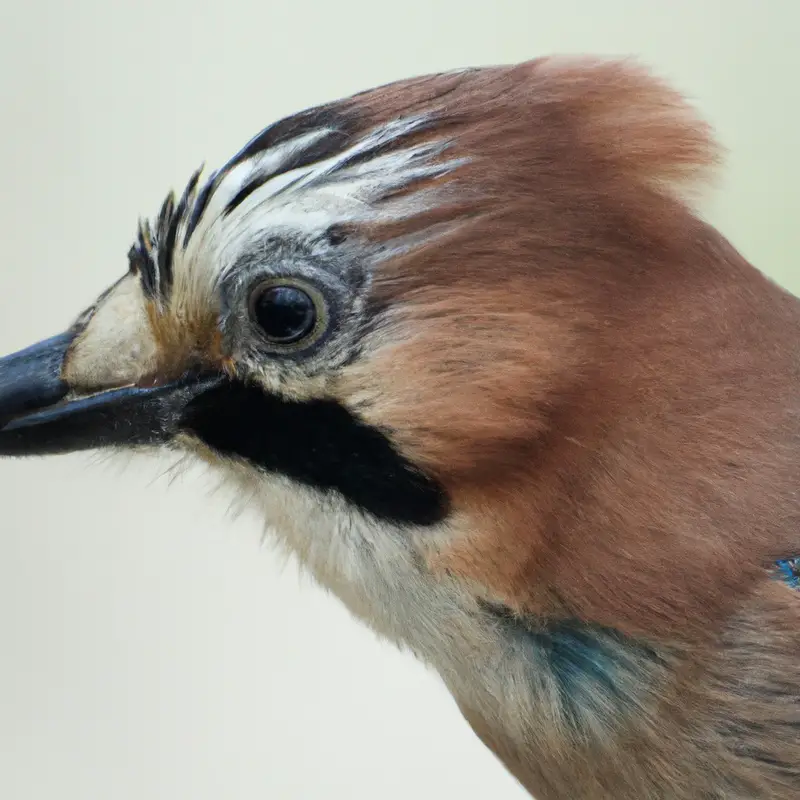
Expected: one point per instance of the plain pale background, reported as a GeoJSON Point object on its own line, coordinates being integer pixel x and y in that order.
{"type": "Point", "coordinates": [151, 647]}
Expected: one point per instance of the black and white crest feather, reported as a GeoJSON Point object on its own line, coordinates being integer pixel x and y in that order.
{"type": "Point", "coordinates": [308, 172]}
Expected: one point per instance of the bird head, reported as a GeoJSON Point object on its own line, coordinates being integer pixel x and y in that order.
{"type": "Point", "coordinates": [435, 307]}
{"type": "Point", "coordinates": [406, 305]}
{"type": "Point", "coordinates": [464, 342]}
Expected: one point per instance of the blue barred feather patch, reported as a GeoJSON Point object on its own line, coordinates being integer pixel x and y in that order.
{"type": "Point", "coordinates": [790, 571]}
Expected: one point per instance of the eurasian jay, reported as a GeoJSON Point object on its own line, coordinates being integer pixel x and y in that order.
{"type": "Point", "coordinates": [470, 348]}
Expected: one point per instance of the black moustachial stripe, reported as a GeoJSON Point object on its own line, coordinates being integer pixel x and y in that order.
{"type": "Point", "coordinates": [318, 443]}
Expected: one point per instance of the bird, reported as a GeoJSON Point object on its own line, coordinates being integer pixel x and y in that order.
{"type": "Point", "coordinates": [469, 347]}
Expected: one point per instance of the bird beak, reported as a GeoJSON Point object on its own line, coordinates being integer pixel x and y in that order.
{"type": "Point", "coordinates": [87, 389]}
{"type": "Point", "coordinates": [41, 415]}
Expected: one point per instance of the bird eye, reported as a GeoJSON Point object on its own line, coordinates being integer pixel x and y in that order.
{"type": "Point", "coordinates": [287, 314]}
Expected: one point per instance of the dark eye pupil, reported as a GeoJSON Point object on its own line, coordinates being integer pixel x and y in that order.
{"type": "Point", "coordinates": [285, 313]}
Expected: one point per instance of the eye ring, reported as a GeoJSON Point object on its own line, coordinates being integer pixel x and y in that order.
{"type": "Point", "coordinates": [290, 314]}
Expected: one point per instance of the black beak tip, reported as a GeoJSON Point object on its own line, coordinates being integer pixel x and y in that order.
{"type": "Point", "coordinates": [30, 379]}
